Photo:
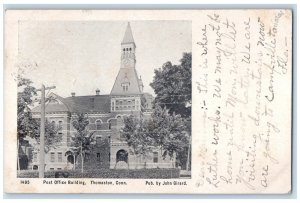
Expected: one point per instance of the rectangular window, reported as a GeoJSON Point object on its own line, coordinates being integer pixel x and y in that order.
{"type": "Point", "coordinates": [34, 157]}
{"type": "Point", "coordinates": [51, 169]}
{"type": "Point", "coordinates": [155, 157]}
{"type": "Point", "coordinates": [68, 140]}
{"type": "Point", "coordinates": [58, 168]}
{"type": "Point", "coordinates": [113, 106]}
{"type": "Point", "coordinates": [98, 141]}
{"type": "Point", "coordinates": [98, 156]}
{"type": "Point", "coordinates": [98, 125]}
{"type": "Point", "coordinates": [59, 156]}
{"type": "Point", "coordinates": [52, 156]}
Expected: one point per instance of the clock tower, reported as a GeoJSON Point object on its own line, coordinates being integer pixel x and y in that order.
{"type": "Point", "coordinates": [128, 87]}
{"type": "Point", "coordinates": [128, 49]}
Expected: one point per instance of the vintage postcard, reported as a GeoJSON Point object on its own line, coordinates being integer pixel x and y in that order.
{"type": "Point", "coordinates": [148, 101]}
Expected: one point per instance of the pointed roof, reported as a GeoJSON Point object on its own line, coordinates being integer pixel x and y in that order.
{"type": "Point", "coordinates": [128, 38]}
{"type": "Point", "coordinates": [126, 75]}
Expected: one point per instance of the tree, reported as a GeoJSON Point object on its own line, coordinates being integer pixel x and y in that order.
{"type": "Point", "coordinates": [172, 86]}
{"type": "Point", "coordinates": [27, 126]}
{"type": "Point", "coordinates": [169, 132]}
{"type": "Point", "coordinates": [173, 89]}
{"type": "Point", "coordinates": [162, 130]}
{"type": "Point", "coordinates": [83, 138]}
{"type": "Point", "coordinates": [52, 136]}
{"type": "Point", "coordinates": [137, 134]}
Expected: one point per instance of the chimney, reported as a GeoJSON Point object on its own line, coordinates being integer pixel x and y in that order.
{"type": "Point", "coordinates": [73, 94]}
{"type": "Point", "coordinates": [97, 91]}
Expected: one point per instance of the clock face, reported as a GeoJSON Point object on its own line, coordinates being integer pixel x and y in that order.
{"type": "Point", "coordinates": [126, 62]}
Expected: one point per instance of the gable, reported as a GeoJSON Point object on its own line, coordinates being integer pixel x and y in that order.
{"type": "Point", "coordinates": [54, 103]}
{"type": "Point", "coordinates": [126, 76]}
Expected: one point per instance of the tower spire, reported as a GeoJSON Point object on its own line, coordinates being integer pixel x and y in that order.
{"type": "Point", "coordinates": [127, 81]}
{"type": "Point", "coordinates": [128, 38]}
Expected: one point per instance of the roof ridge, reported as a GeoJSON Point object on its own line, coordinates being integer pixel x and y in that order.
{"type": "Point", "coordinates": [88, 96]}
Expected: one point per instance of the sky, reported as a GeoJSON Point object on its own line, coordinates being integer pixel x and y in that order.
{"type": "Point", "coordinates": [81, 56]}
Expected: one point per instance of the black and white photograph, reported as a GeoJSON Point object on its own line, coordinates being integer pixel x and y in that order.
{"type": "Point", "coordinates": [104, 99]}
{"type": "Point", "coordinates": [132, 101]}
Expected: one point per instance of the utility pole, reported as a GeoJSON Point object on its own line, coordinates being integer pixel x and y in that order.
{"type": "Point", "coordinates": [188, 155]}
{"type": "Point", "coordinates": [42, 132]}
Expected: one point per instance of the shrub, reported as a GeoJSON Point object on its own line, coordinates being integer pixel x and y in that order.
{"type": "Point", "coordinates": [154, 173]}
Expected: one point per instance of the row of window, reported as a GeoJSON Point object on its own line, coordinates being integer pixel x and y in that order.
{"type": "Point", "coordinates": [35, 167]}
{"type": "Point", "coordinates": [52, 169]}
{"type": "Point", "coordinates": [52, 156]}
{"type": "Point", "coordinates": [60, 123]}
{"type": "Point", "coordinates": [59, 157]}
{"type": "Point", "coordinates": [128, 54]}
{"type": "Point", "coordinates": [98, 124]}
{"type": "Point", "coordinates": [126, 49]}
{"type": "Point", "coordinates": [125, 102]}
{"type": "Point", "coordinates": [155, 157]}
{"type": "Point", "coordinates": [125, 108]}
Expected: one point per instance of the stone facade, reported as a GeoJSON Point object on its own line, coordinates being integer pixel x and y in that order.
{"type": "Point", "coordinates": [105, 113]}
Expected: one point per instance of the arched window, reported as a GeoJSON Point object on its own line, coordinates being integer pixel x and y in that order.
{"type": "Point", "coordinates": [98, 140]}
{"type": "Point", "coordinates": [119, 120]}
{"type": "Point", "coordinates": [98, 124]}
{"type": "Point", "coordinates": [60, 125]}
{"type": "Point", "coordinates": [109, 124]}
